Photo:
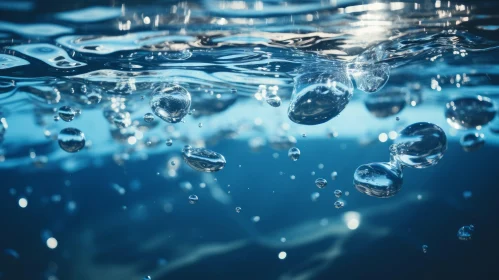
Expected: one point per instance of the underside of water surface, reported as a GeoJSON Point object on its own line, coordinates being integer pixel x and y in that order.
{"type": "Point", "coordinates": [240, 139]}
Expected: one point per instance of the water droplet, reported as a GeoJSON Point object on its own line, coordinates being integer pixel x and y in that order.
{"type": "Point", "coordinates": [319, 96]}
{"type": "Point", "coordinates": [67, 113]}
{"type": "Point", "coordinates": [470, 112]}
{"type": "Point", "coordinates": [465, 233]}
{"type": "Point", "coordinates": [425, 248]}
{"type": "Point", "coordinates": [238, 209]}
{"type": "Point", "coordinates": [378, 179]}
{"type": "Point", "coordinates": [202, 159]}
{"type": "Point", "coordinates": [171, 104]}
{"type": "Point", "coordinates": [193, 199]}
{"type": "Point", "coordinates": [294, 153]}
{"type": "Point", "coordinates": [420, 145]}
{"type": "Point", "coordinates": [472, 141]}
{"type": "Point", "coordinates": [169, 142]}
{"type": "Point", "coordinates": [321, 183]}
{"type": "Point", "coordinates": [338, 193]}
{"type": "Point", "coordinates": [369, 77]}
{"type": "Point", "coordinates": [387, 103]}
{"type": "Point", "coordinates": [149, 117]}
{"type": "Point", "coordinates": [339, 204]}
{"type": "Point", "coordinates": [71, 140]}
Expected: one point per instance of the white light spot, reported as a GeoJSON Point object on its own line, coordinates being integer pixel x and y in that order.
{"type": "Point", "coordinates": [52, 243]}
{"type": "Point", "coordinates": [147, 20]}
{"type": "Point", "coordinates": [282, 255]}
{"type": "Point", "coordinates": [132, 140]}
{"type": "Point", "coordinates": [23, 202]}
{"type": "Point", "coordinates": [383, 137]}
{"type": "Point", "coordinates": [352, 220]}
{"type": "Point", "coordinates": [420, 197]}
{"type": "Point", "coordinates": [392, 135]}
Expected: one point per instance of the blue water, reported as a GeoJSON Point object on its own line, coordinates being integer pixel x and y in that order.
{"type": "Point", "coordinates": [118, 207]}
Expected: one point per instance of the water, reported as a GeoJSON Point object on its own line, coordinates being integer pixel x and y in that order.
{"type": "Point", "coordinates": [98, 99]}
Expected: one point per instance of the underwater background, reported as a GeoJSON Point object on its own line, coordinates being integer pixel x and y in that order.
{"type": "Point", "coordinates": [284, 105]}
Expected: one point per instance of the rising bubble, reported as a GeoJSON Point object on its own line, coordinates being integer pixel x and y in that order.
{"type": "Point", "coordinates": [71, 140]}
{"type": "Point", "coordinates": [202, 159]}
{"type": "Point", "coordinates": [319, 96]}
{"type": "Point", "coordinates": [465, 233]}
{"type": "Point", "coordinates": [193, 199]}
{"type": "Point", "coordinates": [294, 153]}
{"type": "Point", "coordinates": [171, 104]}
{"type": "Point", "coordinates": [339, 204]}
{"type": "Point", "coordinates": [420, 145]}
{"type": "Point", "coordinates": [238, 209]}
{"type": "Point", "coordinates": [338, 193]}
{"type": "Point", "coordinates": [149, 117]}
{"type": "Point", "coordinates": [470, 112]}
{"type": "Point", "coordinates": [67, 113]}
{"type": "Point", "coordinates": [321, 183]}
{"type": "Point", "coordinates": [169, 142]}
{"type": "Point", "coordinates": [472, 141]}
{"type": "Point", "coordinates": [378, 179]}
{"type": "Point", "coordinates": [387, 103]}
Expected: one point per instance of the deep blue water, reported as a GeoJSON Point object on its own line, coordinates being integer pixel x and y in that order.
{"type": "Point", "coordinates": [118, 208]}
